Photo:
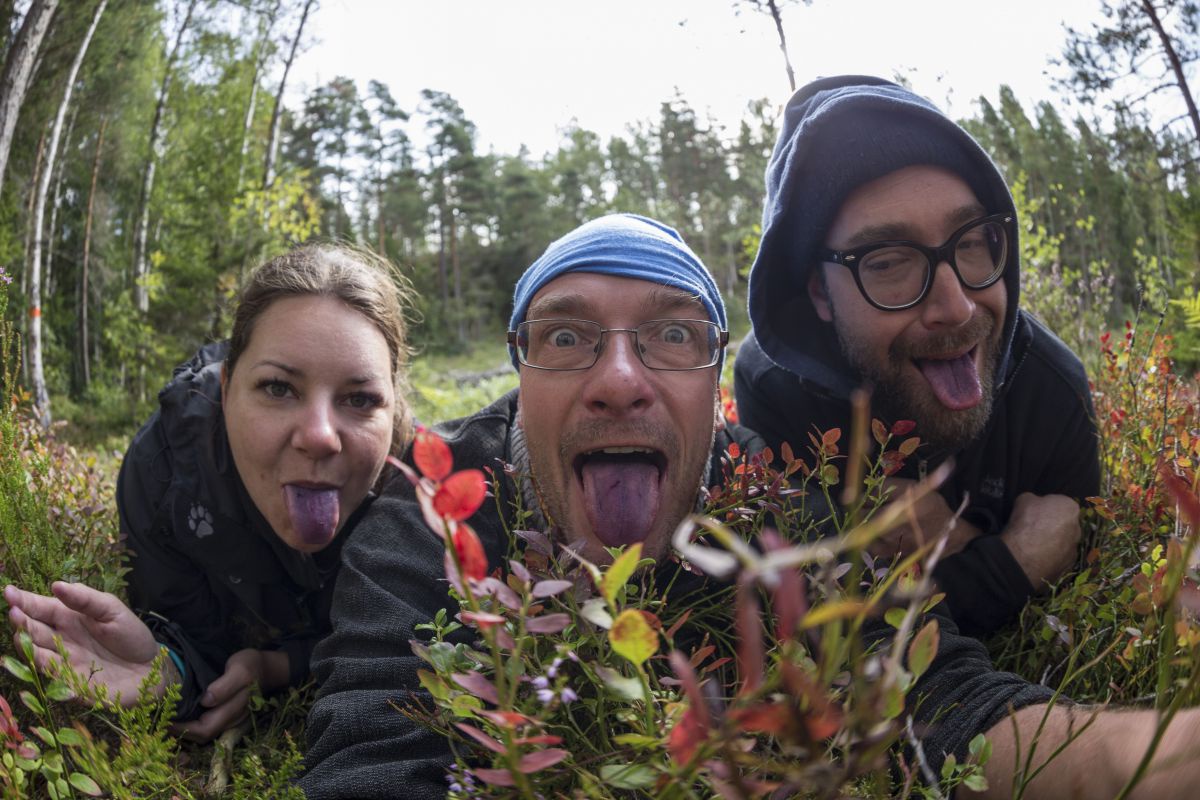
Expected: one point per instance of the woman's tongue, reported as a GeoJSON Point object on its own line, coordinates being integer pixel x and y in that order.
{"type": "Point", "coordinates": [314, 513]}
{"type": "Point", "coordinates": [621, 498]}
{"type": "Point", "coordinates": [955, 381]}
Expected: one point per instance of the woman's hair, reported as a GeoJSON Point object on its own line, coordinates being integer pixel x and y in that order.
{"type": "Point", "coordinates": [366, 282]}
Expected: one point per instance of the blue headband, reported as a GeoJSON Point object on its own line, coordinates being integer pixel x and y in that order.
{"type": "Point", "coordinates": [625, 245]}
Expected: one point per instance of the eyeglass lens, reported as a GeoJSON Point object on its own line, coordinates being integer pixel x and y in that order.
{"type": "Point", "coordinates": [672, 344]}
{"type": "Point", "coordinates": [896, 276]}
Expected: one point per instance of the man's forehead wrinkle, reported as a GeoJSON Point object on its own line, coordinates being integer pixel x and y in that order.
{"type": "Point", "coordinates": [904, 230]}
{"type": "Point", "coordinates": [659, 301]}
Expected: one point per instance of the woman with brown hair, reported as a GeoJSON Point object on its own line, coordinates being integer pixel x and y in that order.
{"type": "Point", "coordinates": [237, 494]}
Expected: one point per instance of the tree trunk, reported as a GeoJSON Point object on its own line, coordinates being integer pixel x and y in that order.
{"type": "Point", "coordinates": [1176, 66]}
{"type": "Point", "coordinates": [84, 278]}
{"type": "Point", "coordinates": [29, 238]}
{"type": "Point", "coordinates": [18, 71]}
{"type": "Point", "coordinates": [277, 110]}
{"type": "Point", "coordinates": [41, 397]}
{"type": "Point", "coordinates": [141, 298]}
{"type": "Point", "coordinates": [60, 169]}
{"type": "Point", "coordinates": [260, 60]}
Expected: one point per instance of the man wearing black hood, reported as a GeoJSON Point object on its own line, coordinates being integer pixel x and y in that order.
{"type": "Point", "coordinates": [889, 260]}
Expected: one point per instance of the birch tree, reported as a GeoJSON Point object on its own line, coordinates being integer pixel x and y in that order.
{"type": "Point", "coordinates": [18, 71]}
{"type": "Point", "coordinates": [41, 397]}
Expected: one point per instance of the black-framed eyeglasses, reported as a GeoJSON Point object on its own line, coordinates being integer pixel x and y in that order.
{"type": "Point", "coordinates": [667, 344]}
{"type": "Point", "coordinates": [896, 275]}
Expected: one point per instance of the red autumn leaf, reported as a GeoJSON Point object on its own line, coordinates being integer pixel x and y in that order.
{"type": "Point", "coordinates": [903, 427]}
{"type": "Point", "coordinates": [770, 718]}
{"type": "Point", "coordinates": [541, 759]}
{"type": "Point", "coordinates": [547, 623]}
{"type": "Point", "coordinates": [750, 655]}
{"type": "Point", "coordinates": [892, 462]}
{"type": "Point", "coordinates": [686, 736]}
{"type": "Point", "coordinates": [508, 719]}
{"type": "Point", "coordinates": [481, 737]}
{"type": "Point", "coordinates": [734, 451]}
{"type": "Point", "coordinates": [470, 553]}
{"type": "Point", "coordinates": [432, 455]}
{"type": "Point", "coordinates": [830, 438]}
{"type": "Point", "coordinates": [878, 431]}
{"type": "Point", "coordinates": [691, 686]}
{"type": "Point", "coordinates": [785, 452]}
{"type": "Point", "coordinates": [481, 619]}
{"type": "Point", "coordinates": [477, 684]}
{"type": "Point", "coordinates": [494, 777]}
{"type": "Point", "coordinates": [461, 494]}
{"type": "Point", "coordinates": [543, 739]}
{"type": "Point", "coordinates": [1188, 503]}
{"type": "Point", "coordinates": [550, 588]}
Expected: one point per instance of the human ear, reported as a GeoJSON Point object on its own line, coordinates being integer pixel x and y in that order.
{"type": "Point", "coordinates": [818, 293]}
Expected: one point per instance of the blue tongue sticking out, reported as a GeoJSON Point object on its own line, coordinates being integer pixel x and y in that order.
{"type": "Point", "coordinates": [314, 513]}
{"type": "Point", "coordinates": [955, 381]}
{"type": "Point", "coordinates": [621, 498]}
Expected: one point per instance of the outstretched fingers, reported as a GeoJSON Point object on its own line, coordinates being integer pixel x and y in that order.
{"type": "Point", "coordinates": [100, 606]}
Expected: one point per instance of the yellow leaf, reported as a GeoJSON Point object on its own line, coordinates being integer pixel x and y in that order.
{"type": "Point", "coordinates": [632, 637]}
{"type": "Point", "coordinates": [842, 609]}
{"type": "Point", "coordinates": [618, 574]}
{"type": "Point", "coordinates": [909, 445]}
{"type": "Point", "coordinates": [923, 648]}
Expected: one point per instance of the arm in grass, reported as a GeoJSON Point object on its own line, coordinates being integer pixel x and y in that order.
{"type": "Point", "coordinates": [1103, 751]}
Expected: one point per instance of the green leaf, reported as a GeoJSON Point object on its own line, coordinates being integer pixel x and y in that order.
{"type": "Point", "coordinates": [627, 776]}
{"type": "Point", "coordinates": [632, 637]}
{"type": "Point", "coordinates": [433, 684]}
{"type": "Point", "coordinates": [70, 737]}
{"type": "Point", "coordinates": [44, 734]}
{"type": "Point", "coordinates": [894, 617]}
{"type": "Point", "coordinates": [923, 648]}
{"type": "Point", "coordinates": [638, 740]}
{"type": "Point", "coordinates": [86, 785]}
{"type": "Point", "coordinates": [32, 703]}
{"type": "Point", "coordinates": [976, 782]}
{"type": "Point", "coordinates": [616, 576]}
{"type": "Point", "coordinates": [59, 691]}
{"type": "Point", "coordinates": [19, 670]}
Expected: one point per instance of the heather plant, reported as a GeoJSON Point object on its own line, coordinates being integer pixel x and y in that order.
{"type": "Point", "coordinates": [739, 670]}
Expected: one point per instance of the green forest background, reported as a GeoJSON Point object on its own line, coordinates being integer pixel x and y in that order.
{"type": "Point", "coordinates": [132, 204]}
{"type": "Point", "coordinates": [147, 161]}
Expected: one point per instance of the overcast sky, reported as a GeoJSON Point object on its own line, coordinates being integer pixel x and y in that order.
{"type": "Point", "coordinates": [522, 69]}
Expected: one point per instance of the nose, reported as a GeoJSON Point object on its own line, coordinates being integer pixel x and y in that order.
{"type": "Point", "coordinates": [619, 383]}
{"type": "Point", "coordinates": [948, 303]}
{"type": "Point", "coordinates": [316, 432]}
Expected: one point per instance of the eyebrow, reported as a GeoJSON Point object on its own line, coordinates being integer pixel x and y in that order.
{"type": "Point", "coordinates": [661, 300]}
{"type": "Point", "coordinates": [890, 231]}
{"type": "Point", "coordinates": [354, 380]}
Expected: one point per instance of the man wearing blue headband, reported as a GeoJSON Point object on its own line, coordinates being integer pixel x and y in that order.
{"type": "Point", "coordinates": [889, 260]}
{"type": "Point", "coordinates": [618, 332]}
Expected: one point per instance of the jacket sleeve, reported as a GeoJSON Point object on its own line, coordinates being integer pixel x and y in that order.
{"type": "Point", "coordinates": [360, 745]}
{"type": "Point", "coordinates": [164, 586]}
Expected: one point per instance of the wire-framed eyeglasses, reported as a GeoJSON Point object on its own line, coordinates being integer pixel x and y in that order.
{"type": "Point", "coordinates": [572, 344]}
{"type": "Point", "coordinates": [895, 275]}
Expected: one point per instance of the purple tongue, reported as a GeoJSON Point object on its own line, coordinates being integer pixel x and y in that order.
{"type": "Point", "coordinates": [955, 381]}
{"type": "Point", "coordinates": [314, 513]}
{"type": "Point", "coordinates": [621, 499]}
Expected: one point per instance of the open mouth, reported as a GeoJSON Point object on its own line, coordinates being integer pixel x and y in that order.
{"type": "Point", "coordinates": [953, 379]}
{"type": "Point", "coordinates": [622, 491]}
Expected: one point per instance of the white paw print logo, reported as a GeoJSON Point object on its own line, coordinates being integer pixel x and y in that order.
{"type": "Point", "coordinates": [200, 521]}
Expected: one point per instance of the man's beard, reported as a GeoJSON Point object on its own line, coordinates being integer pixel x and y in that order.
{"type": "Point", "coordinates": [901, 393]}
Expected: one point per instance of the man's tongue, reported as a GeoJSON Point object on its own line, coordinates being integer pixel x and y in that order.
{"type": "Point", "coordinates": [621, 498]}
{"type": "Point", "coordinates": [955, 381]}
{"type": "Point", "coordinates": [314, 513]}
